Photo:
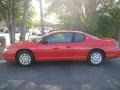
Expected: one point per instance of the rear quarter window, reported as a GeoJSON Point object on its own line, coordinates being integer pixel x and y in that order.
{"type": "Point", "coordinates": [78, 37]}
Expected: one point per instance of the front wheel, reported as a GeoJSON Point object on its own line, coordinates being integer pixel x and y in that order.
{"type": "Point", "coordinates": [96, 58]}
{"type": "Point", "coordinates": [25, 58]}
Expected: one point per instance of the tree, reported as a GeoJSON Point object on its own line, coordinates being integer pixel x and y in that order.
{"type": "Point", "coordinates": [68, 12]}
{"type": "Point", "coordinates": [13, 13]}
{"type": "Point", "coordinates": [31, 21]}
{"type": "Point", "coordinates": [8, 11]}
{"type": "Point", "coordinates": [98, 17]}
{"type": "Point", "coordinates": [109, 18]}
{"type": "Point", "coordinates": [24, 20]}
{"type": "Point", "coordinates": [41, 17]}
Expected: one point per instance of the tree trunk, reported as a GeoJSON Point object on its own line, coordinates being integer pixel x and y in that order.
{"type": "Point", "coordinates": [41, 17]}
{"type": "Point", "coordinates": [25, 20]}
{"type": "Point", "coordinates": [75, 14]}
{"type": "Point", "coordinates": [11, 23]}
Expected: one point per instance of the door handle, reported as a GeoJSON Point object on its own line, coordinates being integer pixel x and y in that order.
{"type": "Point", "coordinates": [68, 47]}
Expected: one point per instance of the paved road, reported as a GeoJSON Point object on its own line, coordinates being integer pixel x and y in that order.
{"type": "Point", "coordinates": [73, 75]}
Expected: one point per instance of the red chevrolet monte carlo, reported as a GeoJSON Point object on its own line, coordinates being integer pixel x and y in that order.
{"type": "Point", "coordinates": [63, 45]}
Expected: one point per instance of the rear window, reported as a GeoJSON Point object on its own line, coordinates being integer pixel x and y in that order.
{"type": "Point", "coordinates": [92, 36]}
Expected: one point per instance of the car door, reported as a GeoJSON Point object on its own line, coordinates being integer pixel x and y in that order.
{"type": "Point", "coordinates": [57, 46]}
{"type": "Point", "coordinates": [80, 46]}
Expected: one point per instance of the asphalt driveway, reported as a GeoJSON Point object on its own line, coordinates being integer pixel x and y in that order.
{"type": "Point", "coordinates": [68, 75]}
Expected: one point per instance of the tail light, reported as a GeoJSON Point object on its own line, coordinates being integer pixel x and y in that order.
{"type": "Point", "coordinates": [117, 46]}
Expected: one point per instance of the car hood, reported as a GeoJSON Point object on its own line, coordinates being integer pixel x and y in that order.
{"type": "Point", "coordinates": [25, 42]}
{"type": "Point", "coordinates": [19, 45]}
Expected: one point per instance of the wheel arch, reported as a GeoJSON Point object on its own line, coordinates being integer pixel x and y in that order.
{"type": "Point", "coordinates": [98, 49]}
{"type": "Point", "coordinates": [25, 50]}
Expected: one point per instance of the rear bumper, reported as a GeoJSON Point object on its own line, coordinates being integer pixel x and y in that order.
{"type": "Point", "coordinates": [113, 53]}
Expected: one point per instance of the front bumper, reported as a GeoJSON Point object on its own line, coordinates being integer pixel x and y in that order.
{"type": "Point", "coordinates": [9, 55]}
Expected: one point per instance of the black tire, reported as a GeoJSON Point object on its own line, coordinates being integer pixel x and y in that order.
{"type": "Point", "coordinates": [98, 59]}
{"type": "Point", "coordinates": [21, 60]}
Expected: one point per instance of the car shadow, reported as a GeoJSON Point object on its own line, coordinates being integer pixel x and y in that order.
{"type": "Point", "coordinates": [56, 63]}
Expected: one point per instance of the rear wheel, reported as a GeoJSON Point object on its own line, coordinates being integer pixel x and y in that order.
{"type": "Point", "coordinates": [96, 58]}
{"type": "Point", "coordinates": [25, 58]}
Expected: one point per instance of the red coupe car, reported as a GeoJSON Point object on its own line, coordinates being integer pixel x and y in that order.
{"type": "Point", "coordinates": [63, 45]}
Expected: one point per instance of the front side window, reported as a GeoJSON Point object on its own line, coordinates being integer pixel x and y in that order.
{"type": "Point", "coordinates": [60, 37]}
{"type": "Point", "coordinates": [78, 37]}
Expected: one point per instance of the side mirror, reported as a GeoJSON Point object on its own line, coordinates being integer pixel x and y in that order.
{"type": "Point", "coordinates": [44, 40]}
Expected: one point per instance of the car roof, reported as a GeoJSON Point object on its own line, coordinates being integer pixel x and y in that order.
{"type": "Point", "coordinates": [74, 31]}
